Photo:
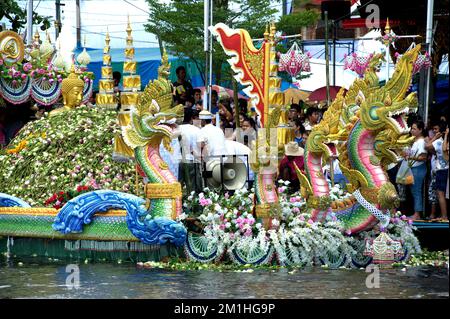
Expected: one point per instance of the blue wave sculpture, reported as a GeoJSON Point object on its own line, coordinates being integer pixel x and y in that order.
{"type": "Point", "coordinates": [80, 210]}
{"type": "Point", "coordinates": [11, 201]}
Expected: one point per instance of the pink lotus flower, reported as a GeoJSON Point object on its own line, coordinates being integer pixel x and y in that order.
{"type": "Point", "coordinates": [27, 66]}
{"type": "Point", "coordinates": [302, 218]}
{"type": "Point", "coordinates": [295, 210]}
{"type": "Point", "coordinates": [248, 232]}
{"type": "Point", "coordinates": [310, 221]}
{"type": "Point", "coordinates": [1, 62]}
{"type": "Point", "coordinates": [24, 76]}
{"type": "Point", "coordinates": [204, 202]}
{"type": "Point", "coordinates": [222, 226]}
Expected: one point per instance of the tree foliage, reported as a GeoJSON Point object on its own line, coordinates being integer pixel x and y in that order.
{"type": "Point", "coordinates": [17, 16]}
{"type": "Point", "coordinates": [293, 23]}
{"type": "Point", "coordinates": [179, 24]}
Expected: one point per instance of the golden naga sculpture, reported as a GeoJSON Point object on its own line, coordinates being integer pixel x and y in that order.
{"type": "Point", "coordinates": [72, 92]}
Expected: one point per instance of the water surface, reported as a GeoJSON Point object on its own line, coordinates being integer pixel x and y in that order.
{"type": "Point", "coordinates": [101, 280]}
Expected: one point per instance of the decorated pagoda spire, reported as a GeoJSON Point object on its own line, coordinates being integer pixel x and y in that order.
{"type": "Point", "coordinates": [106, 96]}
{"type": "Point", "coordinates": [128, 97]}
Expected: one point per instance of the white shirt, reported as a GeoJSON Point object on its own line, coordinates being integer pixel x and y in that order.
{"type": "Point", "coordinates": [214, 139]}
{"type": "Point", "coordinates": [417, 149]}
{"type": "Point", "coordinates": [438, 162]}
{"type": "Point", "coordinates": [189, 137]}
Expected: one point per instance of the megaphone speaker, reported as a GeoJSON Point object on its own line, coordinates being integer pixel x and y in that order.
{"type": "Point", "coordinates": [229, 176]}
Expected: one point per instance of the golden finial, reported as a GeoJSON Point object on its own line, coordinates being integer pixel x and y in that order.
{"type": "Point", "coordinates": [272, 28]}
{"type": "Point", "coordinates": [164, 69]}
{"type": "Point", "coordinates": [387, 28]}
{"type": "Point", "coordinates": [129, 26]}
{"type": "Point", "coordinates": [107, 38]}
{"type": "Point", "coordinates": [272, 31]}
{"type": "Point", "coordinates": [48, 36]}
{"type": "Point", "coordinates": [266, 34]}
{"type": "Point", "coordinates": [37, 37]}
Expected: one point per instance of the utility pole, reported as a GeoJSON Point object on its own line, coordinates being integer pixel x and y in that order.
{"type": "Point", "coordinates": [58, 25]}
{"type": "Point", "coordinates": [30, 23]}
{"type": "Point", "coordinates": [334, 51]}
{"type": "Point", "coordinates": [206, 50]}
{"type": "Point", "coordinates": [78, 17]}
{"type": "Point", "coordinates": [429, 41]}
{"type": "Point", "coordinates": [327, 59]}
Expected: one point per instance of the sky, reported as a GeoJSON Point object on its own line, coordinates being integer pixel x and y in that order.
{"type": "Point", "coordinates": [96, 15]}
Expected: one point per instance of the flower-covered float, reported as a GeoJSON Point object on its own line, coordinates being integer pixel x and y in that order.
{"type": "Point", "coordinates": [335, 225]}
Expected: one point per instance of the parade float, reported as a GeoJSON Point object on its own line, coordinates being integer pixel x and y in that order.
{"type": "Point", "coordinates": [106, 216]}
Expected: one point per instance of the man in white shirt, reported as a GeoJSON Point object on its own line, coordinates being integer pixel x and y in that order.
{"type": "Point", "coordinates": [211, 137]}
{"type": "Point", "coordinates": [190, 170]}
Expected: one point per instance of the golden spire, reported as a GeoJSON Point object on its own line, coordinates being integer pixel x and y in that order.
{"type": "Point", "coordinates": [37, 37]}
{"type": "Point", "coordinates": [107, 39]}
{"type": "Point", "coordinates": [129, 37]}
{"type": "Point", "coordinates": [129, 27]}
{"type": "Point", "coordinates": [266, 34]}
{"type": "Point", "coordinates": [272, 31]}
{"type": "Point", "coordinates": [387, 28]}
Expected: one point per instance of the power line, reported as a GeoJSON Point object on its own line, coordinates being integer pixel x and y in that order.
{"type": "Point", "coordinates": [132, 4]}
{"type": "Point", "coordinates": [104, 25]}
{"type": "Point", "coordinates": [99, 13]}
{"type": "Point", "coordinates": [115, 37]}
{"type": "Point", "coordinates": [37, 5]}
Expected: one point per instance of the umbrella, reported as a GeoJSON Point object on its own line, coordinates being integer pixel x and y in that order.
{"type": "Point", "coordinates": [293, 95]}
{"type": "Point", "coordinates": [320, 94]}
{"type": "Point", "coordinates": [223, 92]}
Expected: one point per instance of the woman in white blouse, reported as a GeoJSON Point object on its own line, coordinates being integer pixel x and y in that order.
{"type": "Point", "coordinates": [417, 155]}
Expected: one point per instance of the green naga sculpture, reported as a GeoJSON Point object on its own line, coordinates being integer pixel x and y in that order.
{"type": "Point", "coordinates": [371, 122]}
{"type": "Point", "coordinates": [152, 123]}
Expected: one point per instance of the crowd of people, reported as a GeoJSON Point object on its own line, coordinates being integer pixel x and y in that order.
{"type": "Point", "coordinates": [427, 157]}
{"type": "Point", "coordinates": [228, 129]}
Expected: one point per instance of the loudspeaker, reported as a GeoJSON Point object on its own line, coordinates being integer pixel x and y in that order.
{"type": "Point", "coordinates": [336, 9]}
{"type": "Point", "coordinates": [229, 176]}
